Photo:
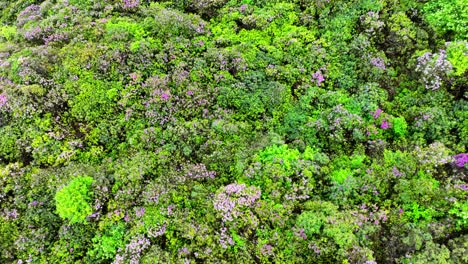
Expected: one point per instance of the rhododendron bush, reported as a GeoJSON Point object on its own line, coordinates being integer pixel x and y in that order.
{"type": "Point", "coordinates": [233, 131]}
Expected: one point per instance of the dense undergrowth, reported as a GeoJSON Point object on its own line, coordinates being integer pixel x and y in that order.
{"type": "Point", "coordinates": [233, 131]}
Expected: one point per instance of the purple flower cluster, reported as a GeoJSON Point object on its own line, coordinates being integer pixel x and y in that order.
{"type": "Point", "coordinates": [35, 203]}
{"type": "Point", "coordinates": [133, 250]}
{"type": "Point", "coordinates": [165, 96]}
{"type": "Point", "coordinates": [384, 124]}
{"type": "Point", "coordinates": [315, 248]}
{"type": "Point", "coordinates": [377, 113]}
{"type": "Point", "coordinates": [341, 118]}
{"type": "Point", "coordinates": [153, 192]}
{"type": "Point", "coordinates": [433, 68]}
{"type": "Point", "coordinates": [243, 7]}
{"type": "Point", "coordinates": [266, 249]}
{"type": "Point", "coordinates": [30, 13]}
{"type": "Point", "coordinates": [199, 171]}
{"type": "Point", "coordinates": [369, 214]}
{"type": "Point", "coordinates": [233, 198]}
{"type": "Point", "coordinates": [463, 187]}
{"type": "Point", "coordinates": [461, 159]}
{"type": "Point", "coordinates": [11, 214]}
{"type": "Point", "coordinates": [33, 33]}
{"type": "Point", "coordinates": [153, 233]}
{"type": "Point", "coordinates": [371, 23]}
{"type": "Point", "coordinates": [378, 62]}
{"type": "Point", "coordinates": [396, 172]}
{"type": "Point", "coordinates": [318, 77]}
{"type": "Point", "coordinates": [128, 4]}
{"type": "Point", "coordinates": [56, 37]}
{"type": "Point", "coordinates": [225, 239]}
{"type": "Point", "coordinates": [424, 117]}
{"type": "Point", "coordinates": [184, 251]}
{"type": "Point", "coordinates": [140, 212]}
{"type": "Point", "coordinates": [300, 233]}
{"type": "Point", "coordinates": [436, 154]}
{"type": "Point", "coordinates": [3, 100]}
{"type": "Point", "coordinates": [300, 189]}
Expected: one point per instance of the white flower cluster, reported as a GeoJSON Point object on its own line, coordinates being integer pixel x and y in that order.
{"type": "Point", "coordinates": [433, 68]}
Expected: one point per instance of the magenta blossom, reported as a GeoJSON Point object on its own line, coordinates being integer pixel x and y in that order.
{"type": "Point", "coordinates": [165, 96]}
{"type": "Point", "coordinates": [377, 113]}
{"type": "Point", "coordinates": [318, 77]}
{"type": "Point", "coordinates": [3, 100]}
{"type": "Point", "coordinates": [243, 7]}
{"type": "Point", "coordinates": [461, 159]}
{"type": "Point", "coordinates": [127, 4]}
{"type": "Point", "coordinates": [384, 124]}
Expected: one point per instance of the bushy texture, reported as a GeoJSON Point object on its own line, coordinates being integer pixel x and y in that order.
{"type": "Point", "coordinates": [72, 201]}
{"type": "Point", "coordinates": [229, 131]}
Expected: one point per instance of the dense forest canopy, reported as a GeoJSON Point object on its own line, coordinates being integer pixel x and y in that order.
{"type": "Point", "coordinates": [234, 131]}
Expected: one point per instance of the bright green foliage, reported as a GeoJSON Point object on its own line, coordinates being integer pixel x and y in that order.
{"type": "Point", "coordinates": [73, 200]}
{"type": "Point", "coordinates": [280, 154]}
{"type": "Point", "coordinates": [323, 224]}
{"type": "Point", "coordinates": [107, 244]}
{"type": "Point", "coordinates": [284, 173]}
{"type": "Point", "coordinates": [460, 210]}
{"type": "Point", "coordinates": [457, 54]}
{"type": "Point", "coordinates": [448, 17]}
{"type": "Point", "coordinates": [81, 3]}
{"type": "Point", "coordinates": [347, 166]}
{"type": "Point", "coordinates": [8, 148]}
{"type": "Point", "coordinates": [8, 233]}
{"type": "Point", "coordinates": [399, 126]}
{"type": "Point", "coordinates": [7, 32]}
{"type": "Point", "coordinates": [339, 176]}
{"type": "Point", "coordinates": [123, 29]}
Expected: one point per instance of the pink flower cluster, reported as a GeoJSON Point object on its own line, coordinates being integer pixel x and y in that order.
{"type": "Point", "coordinates": [433, 68]}
{"type": "Point", "coordinates": [128, 4]}
{"type": "Point", "coordinates": [369, 214]}
{"type": "Point", "coordinates": [152, 233]}
{"type": "Point", "coordinates": [461, 159]}
{"type": "Point", "coordinates": [233, 198]}
{"type": "Point", "coordinates": [378, 62]}
{"type": "Point", "coordinates": [225, 239]}
{"type": "Point", "coordinates": [377, 113]}
{"type": "Point", "coordinates": [30, 13]}
{"type": "Point", "coordinates": [318, 77]}
{"type": "Point", "coordinates": [199, 171]}
{"type": "Point", "coordinates": [3, 100]}
{"type": "Point", "coordinates": [133, 250]}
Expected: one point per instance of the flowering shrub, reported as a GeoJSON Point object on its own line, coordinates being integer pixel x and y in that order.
{"type": "Point", "coordinates": [371, 23]}
{"type": "Point", "coordinates": [133, 250]}
{"type": "Point", "coordinates": [433, 68]}
{"type": "Point", "coordinates": [128, 4]}
{"type": "Point", "coordinates": [461, 159]}
{"type": "Point", "coordinates": [233, 199]}
{"type": "Point", "coordinates": [217, 131]}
